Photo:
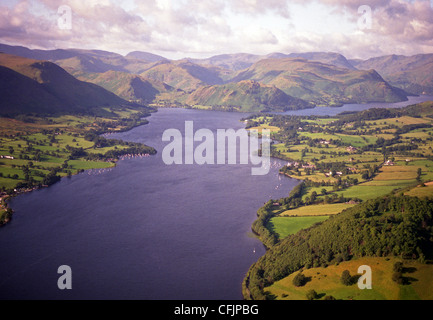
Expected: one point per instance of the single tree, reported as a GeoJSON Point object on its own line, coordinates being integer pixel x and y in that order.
{"type": "Point", "coordinates": [398, 267]}
{"type": "Point", "coordinates": [312, 294]}
{"type": "Point", "coordinates": [299, 280]}
{"type": "Point", "coordinates": [346, 278]}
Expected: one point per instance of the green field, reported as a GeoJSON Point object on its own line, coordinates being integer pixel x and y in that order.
{"type": "Point", "coordinates": [366, 192]}
{"type": "Point", "coordinates": [317, 210]}
{"type": "Point", "coordinates": [421, 191]}
{"type": "Point", "coordinates": [284, 226]}
{"type": "Point", "coordinates": [59, 146]}
{"type": "Point", "coordinates": [265, 126]}
{"type": "Point", "coordinates": [326, 282]}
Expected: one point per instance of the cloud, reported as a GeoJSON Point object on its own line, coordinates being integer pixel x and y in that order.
{"type": "Point", "coordinates": [259, 7]}
{"type": "Point", "coordinates": [180, 28]}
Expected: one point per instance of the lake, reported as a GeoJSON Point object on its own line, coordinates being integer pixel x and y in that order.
{"type": "Point", "coordinates": [144, 229]}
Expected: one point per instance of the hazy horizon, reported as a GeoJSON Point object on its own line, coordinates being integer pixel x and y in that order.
{"type": "Point", "coordinates": [193, 58]}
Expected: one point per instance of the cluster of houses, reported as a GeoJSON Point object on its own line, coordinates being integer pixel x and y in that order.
{"type": "Point", "coordinates": [329, 174]}
{"type": "Point", "coordinates": [303, 166]}
{"type": "Point", "coordinates": [391, 163]}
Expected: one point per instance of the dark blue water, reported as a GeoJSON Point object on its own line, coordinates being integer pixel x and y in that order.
{"type": "Point", "coordinates": [145, 230]}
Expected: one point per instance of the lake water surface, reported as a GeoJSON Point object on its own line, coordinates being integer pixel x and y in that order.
{"type": "Point", "coordinates": [145, 230]}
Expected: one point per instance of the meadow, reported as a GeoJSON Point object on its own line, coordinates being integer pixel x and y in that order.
{"type": "Point", "coordinates": [284, 226]}
{"type": "Point", "coordinates": [327, 282]}
{"type": "Point", "coordinates": [316, 210]}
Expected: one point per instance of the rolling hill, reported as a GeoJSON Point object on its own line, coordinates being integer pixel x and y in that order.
{"type": "Point", "coordinates": [183, 75]}
{"type": "Point", "coordinates": [235, 62]}
{"type": "Point", "coordinates": [414, 74]}
{"type": "Point", "coordinates": [14, 102]}
{"type": "Point", "coordinates": [42, 87]}
{"type": "Point", "coordinates": [320, 83]}
{"type": "Point", "coordinates": [387, 226]}
{"type": "Point", "coordinates": [145, 56]}
{"type": "Point", "coordinates": [247, 96]}
{"type": "Point", "coordinates": [128, 86]}
{"type": "Point", "coordinates": [73, 60]}
{"type": "Point", "coordinates": [240, 61]}
{"type": "Point", "coordinates": [332, 58]}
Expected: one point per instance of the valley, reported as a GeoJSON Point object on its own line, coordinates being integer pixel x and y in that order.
{"type": "Point", "coordinates": [352, 175]}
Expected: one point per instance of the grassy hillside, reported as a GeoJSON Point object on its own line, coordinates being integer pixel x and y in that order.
{"type": "Point", "coordinates": [73, 60]}
{"type": "Point", "coordinates": [35, 99]}
{"type": "Point", "coordinates": [411, 73]}
{"type": "Point", "coordinates": [247, 96]}
{"type": "Point", "coordinates": [183, 75]}
{"type": "Point", "coordinates": [388, 226]}
{"type": "Point", "coordinates": [416, 285]}
{"type": "Point", "coordinates": [235, 62]}
{"type": "Point", "coordinates": [331, 58]}
{"type": "Point", "coordinates": [52, 89]}
{"type": "Point", "coordinates": [127, 86]}
{"type": "Point", "coordinates": [241, 61]}
{"type": "Point", "coordinates": [321, 83]}
{"type": "Point", "coordinates": [145, 56]}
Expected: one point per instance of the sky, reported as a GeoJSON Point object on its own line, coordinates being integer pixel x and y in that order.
{"type": "Point", "coordinates": [178, 29]}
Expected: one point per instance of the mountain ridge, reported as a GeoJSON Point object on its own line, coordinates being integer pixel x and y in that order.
{"type": "Point", "coordinates": [53, 90]}
{"type": "Point", "coordinates": [326, 78]}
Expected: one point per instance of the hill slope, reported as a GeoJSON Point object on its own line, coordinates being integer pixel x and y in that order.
{"type": "Point", "coordinates": [249, 96]}
{"type": "Point", "coordinates": [128, 86]}
{"type": "Point", "coordinates": [145, 56]}
{"type": "Point", "coordinates": [183, 75]}
{"type": "Point", "coordinates": [240, 61]}
{"type": "Point", "coordinates": [53, 90]}
{"type": "Point", "coordinates": [13, 101]}
{"type": "Point", "coordinates": [236, 62]}
{"type": "Point", "coordinates": [414, 74]}
{"type": "Point", "coordinates": [73, 60]}
{"type": "Point", "coordinates": [399, 226]}
{"type": "Point", "coordinates": [322, 83]}
{"type": "Point", "coordinates": [332, 58]}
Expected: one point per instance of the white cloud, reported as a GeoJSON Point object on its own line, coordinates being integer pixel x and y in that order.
{"type": "Point", "coordinates": [196, 27]}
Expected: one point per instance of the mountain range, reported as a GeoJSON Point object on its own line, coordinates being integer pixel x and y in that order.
{"type": "Point", "coordinates": [244, 82]}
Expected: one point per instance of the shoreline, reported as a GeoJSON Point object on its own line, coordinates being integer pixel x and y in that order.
{"type": "Point", "coordinates": [5, 197]}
